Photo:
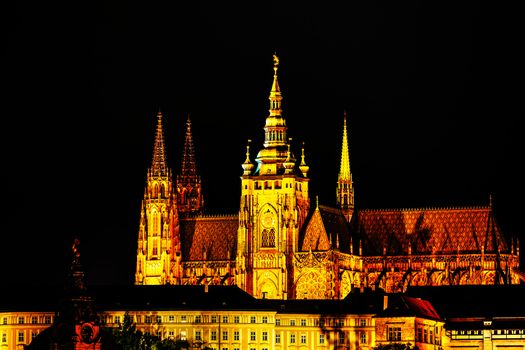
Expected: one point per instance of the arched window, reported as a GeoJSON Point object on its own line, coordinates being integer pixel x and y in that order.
{"type": "Point", "coordinates": [155, 224]}
{"type": "Point", "coordinates": [268, 238]}
{"type": "Point", "coordinates": [264, 238]}
{"type": "Point", "coordinates": [271, 238]}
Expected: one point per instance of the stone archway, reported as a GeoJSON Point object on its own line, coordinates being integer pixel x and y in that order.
{"type": "Point", "coordinates": [268, 289]}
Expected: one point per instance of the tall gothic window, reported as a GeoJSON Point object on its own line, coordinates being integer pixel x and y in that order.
{"type": "Point", "coordinates": [264, 238]}
{"type": "Point", "coordinates": [155, 224]}
{"type": "Point", "coordinates": [268, 238]}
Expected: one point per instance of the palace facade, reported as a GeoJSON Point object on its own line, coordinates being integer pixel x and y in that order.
{"type": "Point", "coordinates": [227, 318]}
{"type": "Point", "coordinates": [280, 245]}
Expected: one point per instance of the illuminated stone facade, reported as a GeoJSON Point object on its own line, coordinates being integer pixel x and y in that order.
{"type": "Point", "coordinates": [279, 246]}
{"type": "Point", "coordinates": [227, 318]}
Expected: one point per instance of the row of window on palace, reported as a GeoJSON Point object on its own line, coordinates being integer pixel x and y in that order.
{"type": "Point", "coordinates": [225, 336]}
{"type": "Point", "coordinates": [479, 332]}
{"type": "Point", "coordinates": [424, 334]}
{"type": "Point", "coordinates": [21, 337]}
{"type": "Point", "coordinates": [46, 319]}
{"type": "Point", "coordinates": [158, 319]}
{"type": "Point", "coordinates": [293, 338]}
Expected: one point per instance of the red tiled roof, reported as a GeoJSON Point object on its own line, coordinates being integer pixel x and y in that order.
{"type": "Point", "coordinates": [402, 306]}
{"type": "Point", "coordinates": [430, 230]}
{"type": "Point", "coordinates": [422, 308]}
{"type": "Point", "coordinates": [217, 236]}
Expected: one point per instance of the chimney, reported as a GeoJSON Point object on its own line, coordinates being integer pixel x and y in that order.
{"type": "Point", "coordinates": [385, 301]}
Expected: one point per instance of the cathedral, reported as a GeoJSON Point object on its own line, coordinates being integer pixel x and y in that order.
{"type": "Point", "coordinates": [282, 244]}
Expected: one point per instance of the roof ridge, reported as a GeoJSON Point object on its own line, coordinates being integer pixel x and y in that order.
{"type": "Point", "coordinates": [209, 217]}
{"type": "Point", "coordinates": [478, 207]}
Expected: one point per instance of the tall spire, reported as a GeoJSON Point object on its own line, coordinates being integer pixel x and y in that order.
{"type": "Point", "coordinates": [344, 170]}
{"type": "Point", "coordinates": [189, 167]}
{"type": "Point", "coordinates": [271, 158]}
{"type": "Point", "coordinates": [275, 93]}
{"type": "Point", "coordinates": [275, 126]}
{"type": "Point", "coordinates": [158, 238]}
{"type": "Point", "coordinates": [190, 199]}
{"type": "Point", "coordinates": [159, 165]}
{"type": "Point", "coordinates": [345, 190]}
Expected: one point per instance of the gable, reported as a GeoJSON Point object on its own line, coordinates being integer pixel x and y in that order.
{"type": "Point", "coordinates": [315, 237]}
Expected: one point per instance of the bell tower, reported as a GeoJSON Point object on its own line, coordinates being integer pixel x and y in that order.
{"type": "Point", "coordinates": [158, 253]}
{"type": "Point", "coordinates": [274, 204]}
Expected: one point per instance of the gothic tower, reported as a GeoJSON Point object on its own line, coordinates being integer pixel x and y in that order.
{"type": "Point", "coordinates": [189, 193]}
{"type": "Point", "coordinates": [274, 204]}
{"type": "Point", "coordinates": [345, 189]}
{"type": "Point", "coordinates": [158, 253]}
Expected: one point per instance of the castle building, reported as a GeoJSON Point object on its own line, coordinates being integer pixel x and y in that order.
{"type": "Point", "coordinates": [281, 246]}
{"type": "Point", "coordinates": [226, 317]}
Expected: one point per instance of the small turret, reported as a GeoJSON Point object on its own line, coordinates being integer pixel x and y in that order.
{"type": "Point", "coordinates": [303, 167]}
{"type": "Point", "coordinates": [289, 164]}
{"type": "Point", "coordinates": [247, 165]}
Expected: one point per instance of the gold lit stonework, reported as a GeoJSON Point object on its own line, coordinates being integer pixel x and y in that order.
{"type": "Point", "coordinates": [278, 247]}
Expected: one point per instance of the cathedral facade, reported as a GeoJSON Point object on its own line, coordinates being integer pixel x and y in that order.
{"type": "Point", "coordinates": [280, 245]}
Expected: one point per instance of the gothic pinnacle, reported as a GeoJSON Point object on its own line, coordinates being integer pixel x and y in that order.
{"type": "Point", "coordinates": [159, 164]}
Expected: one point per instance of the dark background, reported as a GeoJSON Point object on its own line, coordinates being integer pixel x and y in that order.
{"type": "Point", "coordinates": [433, 92]}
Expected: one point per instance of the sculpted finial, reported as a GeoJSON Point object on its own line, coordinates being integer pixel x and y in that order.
{"type": "Point", "coordinates": [275, 60]}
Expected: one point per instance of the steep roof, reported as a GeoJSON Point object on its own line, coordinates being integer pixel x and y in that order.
{"type": "Point", "coordinates": [217, 236]}
{"type": "Point", "coordinates": [323, 227]}
{"type": "Point", "coordinates": [174, 297]}
{"type": "Point", "coordinates": [468, 301]}
{"type": "Point", "coordinates": [443, 231]}
{"type": "Point", "coordinates": [402, 305]}
{"type": "Point", "coordinates": [356, 302]}
{"type": "Point", "coordinates": [315, 235]}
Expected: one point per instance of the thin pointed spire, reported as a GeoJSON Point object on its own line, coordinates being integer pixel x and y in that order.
{"type": "Point", "coordinates": [344, 170]}
{"type": "Point", "coordinates": [275, 92]}
{"type": "Point", "coordinates": [275, 138]}
{"type": "Point", "coordinates": [189, 166]}
{"type": "Point", "coordinates": [159, 165]}
{"type": "Point", "coordinates": [247, 165]}
{"type": "Point", "coordinates": [189, 199]}
{"type": "Point", "coordinates": [345, 190]}
{"type": "Point", "coordinates": [247, 161]}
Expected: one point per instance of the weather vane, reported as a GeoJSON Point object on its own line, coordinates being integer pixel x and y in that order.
{"type": "Point", "coordinates": [275, 60]}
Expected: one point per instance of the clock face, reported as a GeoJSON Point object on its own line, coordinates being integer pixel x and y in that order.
{"type": "Point", "coordinates": [267, 220]}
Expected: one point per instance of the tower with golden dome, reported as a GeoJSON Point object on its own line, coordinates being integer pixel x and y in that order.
{"type": "Point", "coordinates": [273, 207]}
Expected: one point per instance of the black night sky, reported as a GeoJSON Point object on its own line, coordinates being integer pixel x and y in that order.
{"type": "Point", "coordinates": [433, 92]}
